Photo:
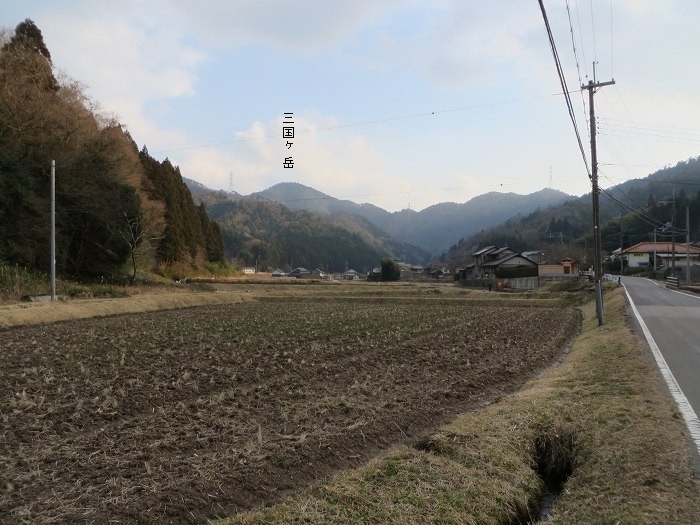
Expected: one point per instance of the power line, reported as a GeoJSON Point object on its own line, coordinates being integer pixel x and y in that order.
{"type": "Point", "coordinates": [578, 67]}
{"type": "Point", "coordinates": [595, 48]}
{"type": "Point", "coordinates": [361, 123]}
{"type": "Point", "coordinates": [612, 56]}
{"type": "Point", "coordinates": [580, 38]}
{"type": "Point", "coordinates": [565, 88]}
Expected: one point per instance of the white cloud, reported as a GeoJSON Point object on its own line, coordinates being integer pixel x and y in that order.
{"type": "Point", "coordinates": [300, 25]}
{"type": "Point", "coordinates": [340, 163]}
{"type": "Point", "coordinates": [127, 65]}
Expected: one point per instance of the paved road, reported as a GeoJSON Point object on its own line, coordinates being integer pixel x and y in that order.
{"type": "Point", "coordinates": [673, 322]}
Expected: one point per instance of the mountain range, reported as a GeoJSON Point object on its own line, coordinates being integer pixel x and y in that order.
{"type": "Point", "coordinates": [433, 229]}
{"type": "Point", "coordinates": [450, 231]}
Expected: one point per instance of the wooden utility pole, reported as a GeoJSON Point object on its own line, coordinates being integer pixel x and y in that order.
{"type": "Point", "coordinates": [592, 86]}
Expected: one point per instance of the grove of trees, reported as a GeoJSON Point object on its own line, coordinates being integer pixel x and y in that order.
{"type": "Point", "coordinates": [114, 203]}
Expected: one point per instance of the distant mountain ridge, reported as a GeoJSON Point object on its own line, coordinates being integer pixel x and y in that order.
{"type": "Point", "coordinates": [260, 230]}
{"type": "Point", "coordinates": [643, 203]}
{"type": "Point", "coordinates": [435, 228]}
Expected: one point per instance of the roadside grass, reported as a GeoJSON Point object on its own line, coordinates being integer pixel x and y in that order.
{"type": "Point", "coordinates": [16, 281]}
{"type": "Point", "coordinates": [601, 422]}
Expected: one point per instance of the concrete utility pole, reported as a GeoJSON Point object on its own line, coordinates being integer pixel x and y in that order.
{"type": "Point", "coordinates": [592, 86]}
{"type": "Point", "coordinates": [622, 247]}
{"type": "Point", "coordinates": [673, 236]}
{"type": "Point", "coordinates": [53, 230]}
{"type": "Point", "coordinates": [687, 244]}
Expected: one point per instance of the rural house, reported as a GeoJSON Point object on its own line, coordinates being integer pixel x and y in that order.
{"type": "Point", "coordinates": [642, 255]}
{"type": "Point", "coordinates": [566, 266]}
{"type": "Point", "coordinates": [351, 275]}
{"type": "Point", "coordinates": [299, 272]}
{"type": "Point", "coordinates": [478, 270]}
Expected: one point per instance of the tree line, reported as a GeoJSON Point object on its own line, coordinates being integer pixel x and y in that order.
{"type": "Point", "coordinates": [116, 206]}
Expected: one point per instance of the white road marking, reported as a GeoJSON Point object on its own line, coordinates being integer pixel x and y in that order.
{"type": "Point", "coordinates": [686, 410]}
{"type": "Point", "coordinates": [672, 290]}
{"type": "Point", "coordinates": [685, 293]}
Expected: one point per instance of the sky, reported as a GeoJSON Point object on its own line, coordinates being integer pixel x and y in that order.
{"type": "Point", "coordinates": [398, 103]}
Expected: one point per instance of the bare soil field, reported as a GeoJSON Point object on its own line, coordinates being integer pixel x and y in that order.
{"type": "Point", "coordinates": [185, 415]}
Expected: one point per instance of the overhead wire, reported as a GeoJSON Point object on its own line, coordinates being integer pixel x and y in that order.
{"type": "Point", "coordinates": [578, 67]}
{"type": "Point", "coordinates": [612, 56]}
{"type": "Point", "coordinates": [361, 123]}
{"type": "Point", "coordinates": [580, 38]}
{"type": "Point", "coordinates": [648, 219]}
{"type": "Point", "coordinates": [565, 89]}
{"type": "Point", "coordinates": [595, 47]}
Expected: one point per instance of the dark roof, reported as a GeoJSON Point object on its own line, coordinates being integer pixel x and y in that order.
{"type": "Point", "coordinates": [500, 250]}
{"type": "Point", "coordinates": [483, 251]}
{"type": "Point", "coordinates": [506, 258]}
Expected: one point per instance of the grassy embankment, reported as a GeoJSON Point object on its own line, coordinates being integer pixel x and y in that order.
{"type": "Point", "coordinates": [602, 420]}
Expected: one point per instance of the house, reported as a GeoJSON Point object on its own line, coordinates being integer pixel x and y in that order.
{"type": "Point", "coordinates": [249, 269]}
{"type": "Point", "coordinates": [308, 274]}
{"type": "Point", "coordinates": [566, 266]}
{"type": "Point", "coordinates": [483, 266]}
{"type": "Point", "coordinates": [491, 259]}
{"type": "Point", "coordinates": [437, 272]}
{"type": "Point", "coordinates": [299, 272]}
{"type": "Point", "coordinates": [642, 255]}
{"type": "Point", "coordinates": [317, 273]}
{"type": "Point", "coordinates": [375, 274]}
{"type": "Point", "coordinates": [509, 261]}
{"type": "Point", "coordinates": [351, 275]}
{"type": "Point", "coordinates": [278, 273]}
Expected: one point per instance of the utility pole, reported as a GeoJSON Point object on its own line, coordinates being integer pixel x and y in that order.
{"type": "Point", "coordinates": [673, 236]}
{"type": "Point", "coordinates": [622, 246]}
{"type": "Point", "coordinates": [53, 230]}
{"type": "Point", "coordinates": [592, 86]}
{"type": "Point", "coordinates": [687, 245]}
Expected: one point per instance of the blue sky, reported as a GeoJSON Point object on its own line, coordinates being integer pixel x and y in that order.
{"type": "Point", "coordinates": [397, 103]}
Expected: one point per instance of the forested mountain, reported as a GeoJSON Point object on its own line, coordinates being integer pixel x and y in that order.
{"type": "Point", "coordinates": [114, 204]}
{"type": "Point", "coordinates": [203, 195]}
{"type": "Point", "coordinates": [269, 233]}
{"type": "Point", "coordinates": [643, 204]}
{"type": "Point", "coordinates": [434, 228]}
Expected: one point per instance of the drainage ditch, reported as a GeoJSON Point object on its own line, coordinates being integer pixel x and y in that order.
{"type": "Point", "coordinates": [554, 463]}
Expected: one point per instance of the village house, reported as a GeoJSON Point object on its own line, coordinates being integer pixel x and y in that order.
{"type": "Point", "coordinates": [566, 266]}
{"type": "Point", "coordinates": [642, 255]}
{"type": "Point", "coordinates": [299, 272]}
{"type": "Point", "coordinates": [351, 275]}
{"type": "Point", "coordinates": [483, 266]}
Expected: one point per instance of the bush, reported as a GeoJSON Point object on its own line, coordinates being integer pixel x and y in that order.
{"type": "Point", "coordinates": [390, 270]}
{"type": "Point", "coordinates": [16, 281]}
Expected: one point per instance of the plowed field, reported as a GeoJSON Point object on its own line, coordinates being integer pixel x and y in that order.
{"type": "Point", "coordinates": [181, 416]}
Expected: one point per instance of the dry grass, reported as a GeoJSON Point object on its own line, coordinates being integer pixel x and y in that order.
{"type": "Point", "coordinates": [153, 298]}
{"type": "Point", "coordinates": [604, 413]}
{"type": "Point", "coordinates": [46, 312]}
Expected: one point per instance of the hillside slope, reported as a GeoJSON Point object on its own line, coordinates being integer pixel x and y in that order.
{"type": "Point", "coordinates": [435, 228]}
{"type": "Point", "coordinates": [272, 235]}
